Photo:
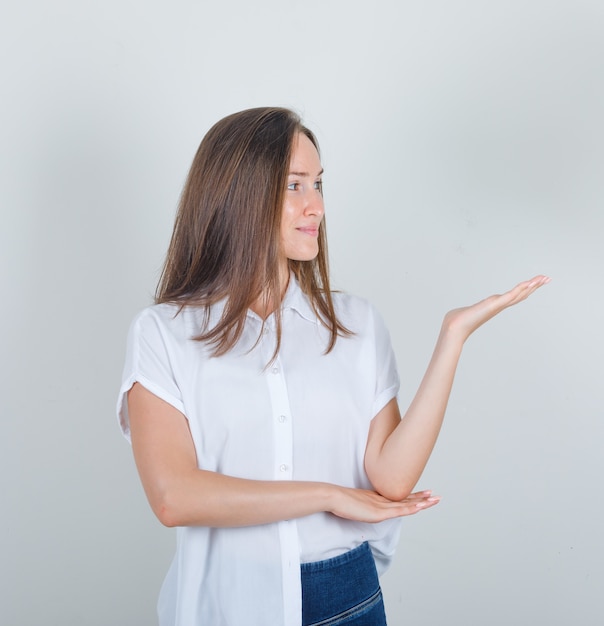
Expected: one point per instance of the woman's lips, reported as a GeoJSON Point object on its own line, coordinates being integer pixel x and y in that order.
{"type": "Point", "coordinates": [313, 231]}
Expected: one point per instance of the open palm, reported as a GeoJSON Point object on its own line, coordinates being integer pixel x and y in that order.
{"type": "Point", "coordinates": [466, 320]}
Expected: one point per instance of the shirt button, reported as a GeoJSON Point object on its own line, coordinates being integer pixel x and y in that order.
{"type": "Point", "coordinates": [283, 468]}
{"type": "Point", "coordinates": [275, 370]}
{"type": "Point", "coordinates": [282, 418]}
{"type": "Point", "coordinates": [266, 330]}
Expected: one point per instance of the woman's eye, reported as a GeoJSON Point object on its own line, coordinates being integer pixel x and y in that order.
{"type": "Point", "coordinates": [293, 186]}
{"type": "Point", "coordinates": [319, 185]}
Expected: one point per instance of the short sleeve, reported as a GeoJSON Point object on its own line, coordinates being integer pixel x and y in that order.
{"type": "Point", "coordinates": [387, 378]}
{"type": "Point", "coordinates": [150, 352]}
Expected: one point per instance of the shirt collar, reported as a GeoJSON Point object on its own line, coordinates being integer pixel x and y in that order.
{"type": "Point", "coordinates": [296, 300]}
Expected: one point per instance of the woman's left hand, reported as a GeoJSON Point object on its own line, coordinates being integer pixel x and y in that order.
{"type": "Point", "coordinates": [398, 450]}
{"type": "Point", "coordinates": [465, 320]}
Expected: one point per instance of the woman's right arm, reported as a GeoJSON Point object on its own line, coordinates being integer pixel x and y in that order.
{"type": "Point", "coordinates": [181, 494]}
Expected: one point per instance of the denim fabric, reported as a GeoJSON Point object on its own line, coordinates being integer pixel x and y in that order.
{"type": "Point", "coordinates": [342, 590]}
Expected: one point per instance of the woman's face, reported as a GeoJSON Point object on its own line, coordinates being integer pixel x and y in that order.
{"type": "Point", "coordinates": [303, 208]}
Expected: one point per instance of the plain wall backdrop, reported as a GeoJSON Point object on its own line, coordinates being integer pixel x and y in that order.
{"type": "Point", "coordinates": [463, 143]}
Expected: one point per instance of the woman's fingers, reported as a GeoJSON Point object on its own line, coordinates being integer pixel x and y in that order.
{"type": "Point", "coordinates": [524, 289]}
{"type": "Point", "coordinates": [420, 500]}
{"type": "Point", "coordinates": [411, 506]}
{"type": "Point", "coordinates": [426, 504]}
{"type": "Point", "coordinates": [532, 286]}
{"type": "Point", "coordinates": [520, 292]}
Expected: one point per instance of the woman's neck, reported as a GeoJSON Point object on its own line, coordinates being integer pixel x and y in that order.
{"type": "Point", "coordinates": [265, 305]}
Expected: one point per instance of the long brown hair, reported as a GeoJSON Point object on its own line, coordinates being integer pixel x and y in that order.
{"type": "Point", "coordinates": [226, 238]}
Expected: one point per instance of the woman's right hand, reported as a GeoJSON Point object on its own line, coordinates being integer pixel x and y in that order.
{"type": "Point", "coordinates": [363, 505]}
{"type": "Point", "coordinates": [181, 494]}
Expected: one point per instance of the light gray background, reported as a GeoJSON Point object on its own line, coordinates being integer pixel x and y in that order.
{"type": "Point", "coordinates": [463, 146]}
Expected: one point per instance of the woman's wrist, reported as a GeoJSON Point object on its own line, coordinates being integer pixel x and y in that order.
{"type": "Point", "coordinates": [330, 497]}
{"type": "Point", "coordinates": [451, 338]}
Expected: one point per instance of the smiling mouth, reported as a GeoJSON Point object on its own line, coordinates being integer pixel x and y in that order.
{"type": "Point", "coordinates": [313, 232]}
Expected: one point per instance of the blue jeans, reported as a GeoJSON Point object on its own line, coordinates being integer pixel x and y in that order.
{"type": "Point", "coordinates": [343, 590]}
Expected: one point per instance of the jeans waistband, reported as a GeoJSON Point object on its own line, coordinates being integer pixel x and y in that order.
{"type": "Point", "coordinates": [359, 552]}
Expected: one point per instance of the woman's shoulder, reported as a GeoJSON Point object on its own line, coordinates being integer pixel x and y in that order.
{"type": "Point", "coordinates": [353, 310]}
{"type": "Point", "coordinates": [168, 319]}
{"type": "Point", "coordinates": [364, 319]}
{"type": "Point", "coordinates": [163, 314]}
{"type": "Point", "coordinates": [349, 302]}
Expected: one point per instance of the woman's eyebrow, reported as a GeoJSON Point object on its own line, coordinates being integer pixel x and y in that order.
{"type": "Point", "coordinates": [303, 174]}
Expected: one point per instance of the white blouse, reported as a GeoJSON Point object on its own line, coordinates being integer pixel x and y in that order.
{"type": "Point", "coordinates": [304, 417]}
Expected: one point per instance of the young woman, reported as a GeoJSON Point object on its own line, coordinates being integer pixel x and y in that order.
{"type": "Point", "coordinates": [262, 406]}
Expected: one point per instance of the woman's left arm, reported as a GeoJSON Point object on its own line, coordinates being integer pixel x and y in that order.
{"type": "Point", "coordinates": [398, 449]}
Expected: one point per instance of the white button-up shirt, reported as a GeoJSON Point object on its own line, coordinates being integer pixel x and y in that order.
{"type": "Point", "coordinates": [304, 417]}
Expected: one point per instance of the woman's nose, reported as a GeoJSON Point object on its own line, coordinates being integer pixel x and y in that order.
{"type": "Point", "coordinates": [314, 203]}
